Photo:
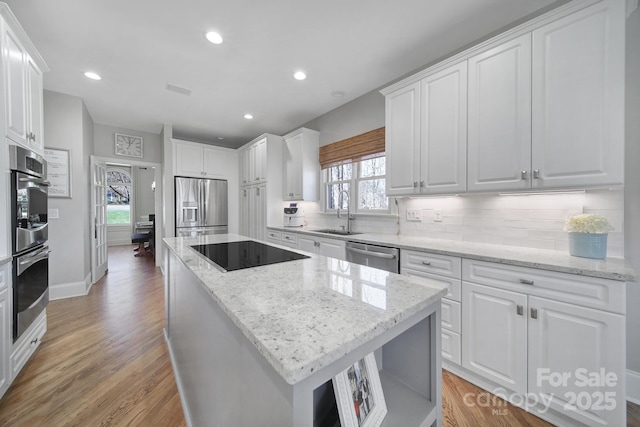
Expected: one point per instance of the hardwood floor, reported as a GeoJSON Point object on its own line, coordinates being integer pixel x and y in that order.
{"type": "Point", "coordinates": [104, 362]}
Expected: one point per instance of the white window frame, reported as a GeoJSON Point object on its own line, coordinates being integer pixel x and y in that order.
{"type": "Point", "coordinates": [129, 173]}
{"type": "Point", "coordinates": [354, 186]}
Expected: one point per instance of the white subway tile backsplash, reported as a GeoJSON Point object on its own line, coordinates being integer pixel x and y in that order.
{"type": "Point", "coordinates": [534, 221]}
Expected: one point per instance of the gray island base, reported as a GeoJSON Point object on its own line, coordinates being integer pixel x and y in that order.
{"type": "Point", "coordinates": [259, 346]}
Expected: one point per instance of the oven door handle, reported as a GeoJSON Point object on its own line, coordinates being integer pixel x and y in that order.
{"type": "Point", "coordinates": [39, 181]}
{"type": "Point", "coordinates": [23, 265]}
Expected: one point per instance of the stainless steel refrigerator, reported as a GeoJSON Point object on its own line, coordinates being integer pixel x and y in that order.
{"type": "Point", "coordinates": [201, 206]}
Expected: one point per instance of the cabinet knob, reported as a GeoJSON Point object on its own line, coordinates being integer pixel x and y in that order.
{"type": "Point", "coordinates": [523, 174]}
{"type": "Point", "coordinates": [534, 313]}
{"type": "Point", "coordinates": [536, 174]}
{"type": "Point", "coordinates": [520, 310]}
{"type": "Point", "coordinates": [415, 184]}
{"type": "Point", "coordinates": [422, 184]}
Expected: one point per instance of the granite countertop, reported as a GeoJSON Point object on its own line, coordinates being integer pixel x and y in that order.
{"type": "Point", "coordinates": [610, 268]}
{"type": "Point", "coordinates": [5, 260]}
{"type": "Point", "coordinates": [303, 315]}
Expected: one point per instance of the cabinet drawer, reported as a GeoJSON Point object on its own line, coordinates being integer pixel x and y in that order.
{"type": "Point", "coordinates": [586, 291]}
{"type": "Point", "coordinates": [289, 239]}
{"type": "Point", "coordinates": [28, 344]}
{"type": "Point", "coordinates": [451, 315]}
{"type": "Point", "coordinates": [453, 284]}
{"type": "Point", "coordinates": [451, 346]}
{"type": "Point", "coordinates": [443, 265]}
{"type": "Point", "coordinates": [276, 236]}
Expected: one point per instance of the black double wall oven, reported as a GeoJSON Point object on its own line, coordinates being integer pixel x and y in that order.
{"type": "Point", "coordinates": [29, 235]}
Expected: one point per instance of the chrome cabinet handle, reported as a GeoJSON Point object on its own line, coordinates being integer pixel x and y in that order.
{"type": "Point", "coordinates": [536, 174]}
{"type": "Point", "coordinates": [534, 313]}
{"type": "Point", "coordinates": [422, 184]}
{"type": "Point", "coordinates": [415, 184]}
{"type": "Point", "coordinates": [520, 310]}
{"type": "Point", "coordinates": [523, 174]}
{"type": "Point", "coordinates": [526, 282]}
{"type": "Point", "coordinates": [426, 262]}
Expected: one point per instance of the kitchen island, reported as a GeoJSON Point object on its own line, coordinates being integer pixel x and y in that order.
{"type": "Point", "coordinates": [258, 346]}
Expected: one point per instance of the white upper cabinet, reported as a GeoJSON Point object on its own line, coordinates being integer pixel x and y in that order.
{"type": "Point", "coordinates": [443, 131]}
{"type": "Point", "coordinates": [545, 104]}
{"type": "Point", "coordinates": [578, 98]}
{"type": "Point", "coordinates": [403, 140]}
{"type": "Point", "coordinates": [426, 134]}
{"type": "Point", "coordinates": [499, 144]}
{"type": "Point", "coordinates": [254, 163]}
{"type": "Point", "coordinates": [202, 161]}
{"type": "Point", "coordinates": [301, 172]}
{"type": "Point", "coordinates": [24, 93]}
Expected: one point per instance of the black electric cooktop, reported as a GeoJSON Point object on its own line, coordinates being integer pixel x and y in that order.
{"type": "Point", "coordinates": [245, 254]}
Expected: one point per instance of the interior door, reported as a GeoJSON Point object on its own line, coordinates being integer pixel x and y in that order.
{"type": "Point", "coordinates": [99, 256]}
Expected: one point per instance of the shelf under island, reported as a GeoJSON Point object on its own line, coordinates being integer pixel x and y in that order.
{"type": "Point", "coordinates": [260, 346]}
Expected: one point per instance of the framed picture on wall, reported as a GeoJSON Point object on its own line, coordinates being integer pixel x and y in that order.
{"type": "Point", "coordinates": [359, 394]}
{"type": "Point", "coordinates": [58, 172]}
{"type": "Point", "coordinates": [128, 145]}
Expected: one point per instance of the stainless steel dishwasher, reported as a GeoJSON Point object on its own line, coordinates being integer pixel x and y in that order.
{"type": "Point", "coordinates": [382, 257]}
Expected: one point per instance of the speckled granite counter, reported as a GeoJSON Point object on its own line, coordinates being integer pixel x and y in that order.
{"type": "Point", "coordinates": [610, 268]}
{"type": "Point", "coordinates": [303, 315]}
{"type": "Point", "coordinates": [5, 260]}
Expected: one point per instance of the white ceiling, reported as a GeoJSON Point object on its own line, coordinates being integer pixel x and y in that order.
{"type": "Point", "coordinates": [140, 46]}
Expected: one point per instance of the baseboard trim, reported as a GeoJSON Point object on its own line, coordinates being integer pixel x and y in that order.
{"type": "Point", "coordinates": [633, 386]}
{"type": "Point", "coordinates": [70, 290]}
{"type": "Point", "coordinates": [176, 374]}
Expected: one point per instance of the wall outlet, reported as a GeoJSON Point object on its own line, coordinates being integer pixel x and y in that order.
{"type": "Point", "coordinates": [437, 215]}
{"type": "Point", "coordinates": [414, 215]}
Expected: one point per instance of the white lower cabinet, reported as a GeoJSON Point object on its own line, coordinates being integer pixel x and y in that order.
{"type": "Point", "coordinates": [332, 248]}
{"type": "Point", "coordinates": [443, 269]}
{"type": "Point", "coordinates": [5, 328]}
{"type": "Point", "coordinates": [28, 343]}
{"type": "Point", "coordinates": [253, 208]}
{"type": "Point", "coordinates": [523, 335]}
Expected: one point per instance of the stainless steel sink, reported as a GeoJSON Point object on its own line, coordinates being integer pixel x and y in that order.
{"type": "Point", "coordinates": [338, 232]}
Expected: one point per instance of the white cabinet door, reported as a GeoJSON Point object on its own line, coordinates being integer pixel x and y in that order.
{"type": "Point", "coordinates": [215, 163]}
{"type": "Point", "coordinates": [260, 161]}
{"type": "Point", "coordinates": [14, 58]}
{"type": "Point", "coordinates": [402, 146]}
{"type": "Point", "coordinates": [499, 145]}
{"type": "Point", "coordinates": [260, 209]}
{"type": "Point", "coordinates": [293, 168]}
{"type": "Point", "coordinates": [564, 338]}
{"type": "Point", "coordinates": [244, 212]}
{"type": "Point", "coordinates": [332, 248]}
{"type": "Point", "coordinates": [578, 98]}
{"type": "Point", "coordinates": [189, 160]}
{"type": "Point", "coordinates": [307, 243]}
{"type": "Point", "coordinates": [494, 335]}
{"type": "Point", "coordinates": [443, 131]}
{"type": "Point", "coordinates": [35, 106]}
{"type": "Point", "coordinates": [5, 329]}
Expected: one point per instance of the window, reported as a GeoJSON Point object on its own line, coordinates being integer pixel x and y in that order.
{"type": "Point", "coordinates": [119, 186]}
{"type": "Point", "coordinates": [364, 182]}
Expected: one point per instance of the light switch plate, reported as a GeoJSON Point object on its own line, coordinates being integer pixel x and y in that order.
{"type": "Point", "coordinates": [414, 215]}
{"type": "Point", "coordinates": [437, 215]}
{"type": "Point", "coordinates": [53, 213]}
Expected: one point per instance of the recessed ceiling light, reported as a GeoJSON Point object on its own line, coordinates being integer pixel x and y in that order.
{"type": "Point", "coordinates": [221, 138]}
{"type": "Point", "coordinates": [299, 75]}
{"type": "Point", "coordinates": [214, 37]}
{"type": "Point", "coordinates": [338, 94]}
{"type": "Point", "coordinates": [92, 75]}
{"type": "Point", "coordinates": [248, 116]}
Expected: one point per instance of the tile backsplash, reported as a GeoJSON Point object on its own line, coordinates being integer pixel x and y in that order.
{"type": "Point", "coordinates": [534, 220]}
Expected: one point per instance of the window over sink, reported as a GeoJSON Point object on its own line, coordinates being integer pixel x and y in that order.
{"type": "Point", "coordinates": [363, 180]}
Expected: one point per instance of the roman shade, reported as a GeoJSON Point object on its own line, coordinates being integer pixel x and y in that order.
{"type": "Point", "coordinates": [364, 146]}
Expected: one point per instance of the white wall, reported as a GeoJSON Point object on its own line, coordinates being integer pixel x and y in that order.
{"type": "Point", "coordinates": [67, 125]}
{"type": "Point", "coordinates": [632, 190]}
{"type": "Point", "coordinates": [145, 197]}
{"type": "Point", "coordinates": [104, 144]}
{"type": "Point", "coordinates": [87, 130]}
